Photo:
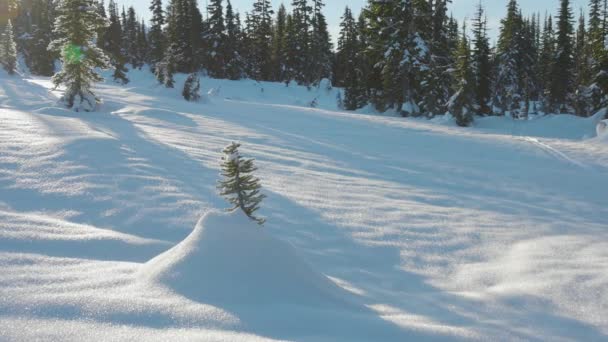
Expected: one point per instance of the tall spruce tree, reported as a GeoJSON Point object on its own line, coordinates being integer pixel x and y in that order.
{"type": "Point", "coordinates": [261, 38]}
{"type": "Point", "coordinates": [234, 59]}
{"type": "Point", "coordinates": [114, 45]}
{"type": "Point", "coordinates": [582, 72]}
{"type": "Point", "coordinates": [215, 40]}
{"type": "Point", "coordinates": [42, 62]}
{"type": "Point", "coordinates": [184, 27]}
{"type": "Point", "coordinates": [300, 41]}
{"type": "Point", "coordinates": [561, 88]}
{"type": "Point", "coordinates": [279, 44]}
{"type": "Point", "coordinates": [348, 70]}
{"type": "Point", "coordinates": [141, 46]}
{"type": "Point", "coordinates": [156, 36]}
{"type": "Point", "coordinates": [461, 103]}
{"type": "Point", "coordinates": [320, 58]}
{"type": "Point", "coordinates": [546, 61]}
{"type": "Point", "coordinates": [130, 38]}
{"type": "Point", "coordinates": [597, 51]}
{"type": "Point", "coordinates": [79, 54]}
{"type": "Point", "coordinates": [8, 49]}
{"type": "Point", "coordinates": [436, 79]}
{"type": "Point", "coordinates": [481, 63]}
{"type": "Point", "coordinates": [508, 90]}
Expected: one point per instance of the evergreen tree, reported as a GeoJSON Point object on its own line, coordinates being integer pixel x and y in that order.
{"type": "Point", "coordinates": [43, 62]}
{"type": "Point", "coordinates": [234, 60]}
{"type": "Point", "coordinates": [192, 88]}
{"type": "Point", "coordinates": [597, 50]}
{"type": "Point", "coordinates": [348, 73]}
{"type": "Point", "coordinates": [156, 36]}
{"type": "Point", "coordinates": [320, 57]}
{"type": "Point", "coordinates": [436, 79]}
{"type": "Point", "coordinates": [561, 87]}
{"type": "Point", "coordinates": [461, 103]}
{"type": "Point", "coordinates": [546, 61]}
{"type": "Point", "coordinates": [299, 37]}
{"type": "Point", "coordinates": [79, 54]}
{"type": "Point", "coordinates": [184, 27]}
{"type": "Point", "coordinates": [215, 37]}
{"type": "Point", "coordinates": [291, 53]}
{"type": "Point", "coordinates": [582, 69]}
{"type": "Point", "coordinates": [279, 41]}
{"type": "Point", "coordinates": [142, 45]}
{"type": "Point", "coordinates": [482, 68]}
{"type": "Point", "coordinates": [101, 9]}
{"type": "Point", "coordinates": [239, 186]}
{"type": "Point", "coordinates": [130, 38]}
{"type": "Point", "coordinates": [8, 49]}
{"type": "Point", "coordinates": [114, 45]}
{"type": "Point", "coordinates": [261, 37]}
{"type": "Point", "coordinates": [508, 91]}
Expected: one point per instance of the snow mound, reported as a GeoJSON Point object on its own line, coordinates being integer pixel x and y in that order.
{"type": "Point", "coordinates": [228, 259]}
{"type": "Point", "coordinates": [602, 128]}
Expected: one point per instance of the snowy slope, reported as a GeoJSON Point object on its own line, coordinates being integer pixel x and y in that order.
{"type": "Point", "coordinates": [381, 228]}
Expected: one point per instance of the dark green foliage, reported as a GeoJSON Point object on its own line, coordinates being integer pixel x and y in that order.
{"type": "Point", "coordinates": [79, 55]}
{"type": "Point", "coordinates": [114, 45]}
{"type": "Point", "coordinates": [233, 51]}
{"type": "Point", "coordinates": [482, 68]}
{"type": "Point", "coordinates": [279, 45]}
{"type": "Point", "coordinates": [562, 73]}
{"type": "Point", "coordinates": [8, 49]}
{"type": "Point", "coordinates": [192, 88]}
{"type": "Point", "coordinates": [156, 36]}
{"type": "Point", "coordinates": [215, 40]}
{"type": "Point", "coordinates": [461, 103]}
{"type": "Point", "coordinates": [239, 186]}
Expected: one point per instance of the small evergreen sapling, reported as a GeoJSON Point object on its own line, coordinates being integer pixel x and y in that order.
{"type": "Point", "coordinates": [192, 88]}
{"type": "Point", "coordinates": [239, 186]}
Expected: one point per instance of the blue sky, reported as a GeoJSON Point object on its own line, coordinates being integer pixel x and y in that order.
{"type": "Point", "coordinates": [460, 8]}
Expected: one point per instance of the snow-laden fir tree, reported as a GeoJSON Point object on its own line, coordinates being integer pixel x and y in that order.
{"type": "Point", "coordinates": [114, 45]}
{"type": "Point", "coordinates": [461, 103]}
{"type": "Point", "coordinates": [8, 49]}
{"type": "Point", "coordinates": [239, 186]}
{"type": "Point", "coordinates": [76, 28]}
{"type": "Point", "coordinates": [482, 68]}
{"type": "Point", "coordinates": [234, 58]}
{"type": "Point", "coordinates": [192, 88]}
{"type": "Point", "coordinates": [156, 35]}
{"type": "Point", "coordinates": [279, 41]}
{"type": "Point", "coordinates": [320, 45]}
{"type": "Point", "coordinates": [508, 91]}
{"type": "Point", "coordinates": [215, 39]}
{"type": "Point", "coordinates": [41, 62]}
{"type": "Point", "coordinates": [561, 88]}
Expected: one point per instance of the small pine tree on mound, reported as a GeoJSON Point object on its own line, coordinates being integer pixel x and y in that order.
{"type": "Point", "coordinates": [192, 88]}
{"type": "Point", "coordinates": [8, 49]}
{"type": "Point", "coordinates": [239, 186]}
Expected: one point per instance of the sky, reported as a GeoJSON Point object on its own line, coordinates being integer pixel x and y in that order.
{"type": "Point", "coordinates": [460, 8]}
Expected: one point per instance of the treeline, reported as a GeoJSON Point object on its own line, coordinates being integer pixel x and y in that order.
{"type": "Point", "coordinates": [407, 56]}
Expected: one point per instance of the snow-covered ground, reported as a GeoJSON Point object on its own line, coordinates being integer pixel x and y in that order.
{"type": "Point", "coordinates": [379, 228]}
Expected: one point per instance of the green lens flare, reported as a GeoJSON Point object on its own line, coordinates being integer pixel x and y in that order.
{"type": "Point", "coordinates": [72, 54]}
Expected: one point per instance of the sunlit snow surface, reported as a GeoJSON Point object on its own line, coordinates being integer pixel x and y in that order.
{"type": "Point", "coordinates": [423, 230]}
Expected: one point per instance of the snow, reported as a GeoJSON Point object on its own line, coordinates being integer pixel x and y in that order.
{"type": "Point", "coordinates": [379, 228]}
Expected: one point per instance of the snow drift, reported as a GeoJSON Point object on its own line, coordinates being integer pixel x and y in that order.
{"type": "Point", "coordinates": [228, 259]}
{"type": "Point", "coordinates": [602, 128]}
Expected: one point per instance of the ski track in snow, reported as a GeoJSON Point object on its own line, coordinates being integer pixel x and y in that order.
{"type": "Point", "coordinates": [434, 232]}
